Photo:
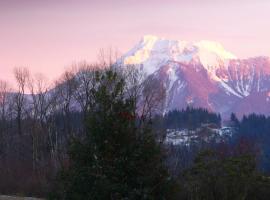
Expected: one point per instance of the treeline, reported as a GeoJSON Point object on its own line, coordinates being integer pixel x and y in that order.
{"type": "Point", "coordinates": [120, 158]}
{"type": "Point", "coordinates": [190, 118]}
{"type": "Point", "coordinates": [38, 119]}
{"type": "Point", "coordinates": [255, 129]}
{"type": "Point", "coordinates": [93, 135]}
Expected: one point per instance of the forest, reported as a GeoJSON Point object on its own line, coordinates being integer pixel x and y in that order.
{"type": "Point", "coordinates": [98, 133]}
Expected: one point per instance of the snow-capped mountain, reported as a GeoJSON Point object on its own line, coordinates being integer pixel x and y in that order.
{"type": "Point", "coordinates": [204, 74]}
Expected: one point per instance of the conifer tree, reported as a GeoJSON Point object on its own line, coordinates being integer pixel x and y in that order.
{"type": "Point", "coordinates": [234, 121]}
{"type": "Point", "coordinates": [227, 178]}
{"type": "Point", "coordinates": [117, 159]}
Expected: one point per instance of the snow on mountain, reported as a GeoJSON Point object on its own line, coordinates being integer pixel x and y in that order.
{"type": "Point", "coordinates": [204, 74]}
{"type": "Point", "coordinates": [152, 52]}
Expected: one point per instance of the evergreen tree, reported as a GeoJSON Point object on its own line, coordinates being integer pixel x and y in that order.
{"type": "Point", "coordinates": [190, 118]}
{"type": "Point", "coordinates": [226, 178]}
{"type": "Point", "coordinates": [234, 121]}
{"type": "Point", "coordinates": [118, 159]}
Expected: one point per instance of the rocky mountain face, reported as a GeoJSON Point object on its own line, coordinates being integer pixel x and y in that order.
{"type": "Point", "coordinates": [204, 74]}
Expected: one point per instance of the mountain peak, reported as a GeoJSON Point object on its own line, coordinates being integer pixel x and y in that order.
{"type": "Point", "coordinates": [203, 74]}
{"type": "Point", "coordinates": [149, 38]}
{"type": "Point", "coordinates": [216, 48]}
{"type": "Point", "coordinates": [152, 52]}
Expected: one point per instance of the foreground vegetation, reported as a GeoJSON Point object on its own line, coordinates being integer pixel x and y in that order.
{"type": "Point", "coordinates": [96, 136]}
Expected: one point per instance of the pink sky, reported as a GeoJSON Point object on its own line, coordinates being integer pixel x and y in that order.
{"type": "Point", "coordinates": [48, 36]}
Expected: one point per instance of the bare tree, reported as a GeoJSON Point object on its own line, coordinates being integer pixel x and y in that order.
{"type": "Point", "coordinates": [5, 91]}
{"type": "Point", "coordinates": [65, 89]}
{"type": "Point", "coordinates": [54, 134]}
{"type": "Point", "coordinates": [38, 112]}
{"type": "Point", "coordinates": [134, 79]}
{"type": "Point", "coordinates": [86, 82]}
{"type": "Point", "coordinates": [39, 91]}
{"type": "Point", "coordinates": [107, 57]}
{"type": "Point", "coordinates": [153, 97]}
{"type": "Point", "coordinates": [21, 75]}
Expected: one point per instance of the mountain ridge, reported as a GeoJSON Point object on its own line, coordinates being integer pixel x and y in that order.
{"type": "Point", "coordinates": [204, 74]}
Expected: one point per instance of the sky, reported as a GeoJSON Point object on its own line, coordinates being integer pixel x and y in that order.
{"type": "Point", "coordinates": [48, 36]}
